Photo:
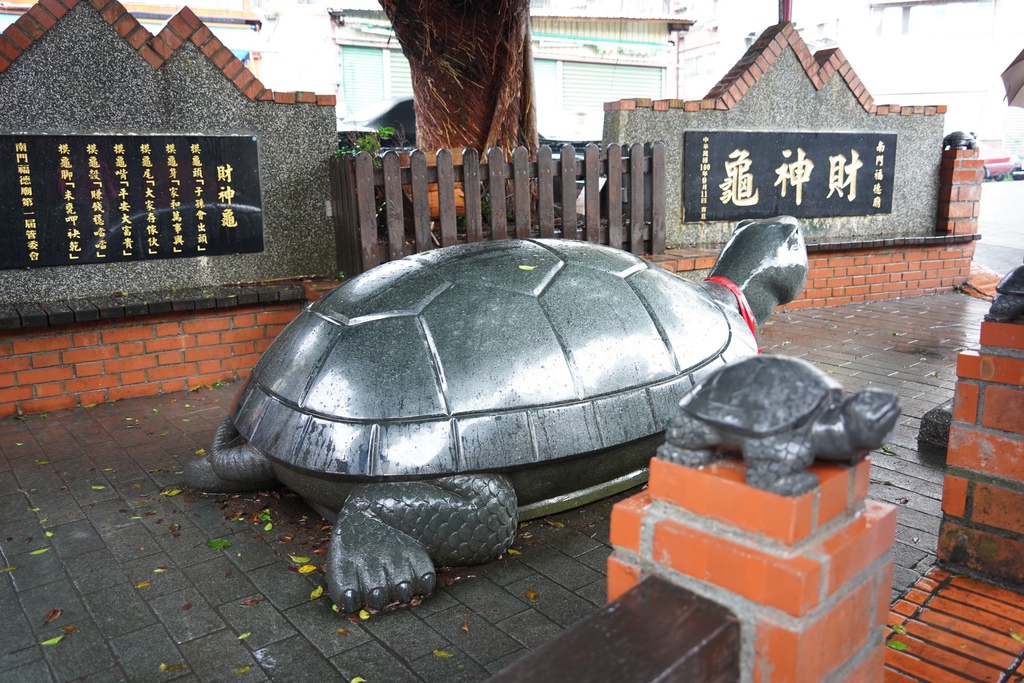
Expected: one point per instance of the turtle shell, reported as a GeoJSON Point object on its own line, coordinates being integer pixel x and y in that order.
{"type": "Point", "coordinates": [483, 357]}
{"type": "Point", "coordinates": [1012, 282]}
{"type": "Point", "coordinates": [763, 395]}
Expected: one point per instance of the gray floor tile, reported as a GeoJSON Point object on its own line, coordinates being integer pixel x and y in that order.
{"type": "Point", "coordinates": [487, 599]}
{"type": "Point", "coordinates": [118, 610]}
{"type": "Point", "coordinates": [454, 666]}
{"type": "Point", "coordinates": [219, 580]}
{"type": "Point", "coordinates": [294, 660]}
{"type": "Point", "coordinates": [263, 622]}
{"type": "Point", "coordinates": [374, 663]}
{"type": "Point", "coordinates": [405, 634]}
{"type": "Point", "coordinates": [220, 656]}
{"type": "Point", "coordinates": [282, 587]}
{"type": "Point", "coordinates": [531, 628]}
{"type": "Point", "coordinates": [150, 655]}
{"type": "Point", "coordinates": [473, 635]}
{"type": "Point", "coordinates": [186, 615]}
{"type": "Point", "coordinates": [327, 630]}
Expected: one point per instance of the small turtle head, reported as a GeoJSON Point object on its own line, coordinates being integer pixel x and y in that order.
{"type": "Point", "coordinates": [869, 417]}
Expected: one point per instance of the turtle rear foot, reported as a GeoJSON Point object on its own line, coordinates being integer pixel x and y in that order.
{"type": "Point", "coordinates": [233, 465]}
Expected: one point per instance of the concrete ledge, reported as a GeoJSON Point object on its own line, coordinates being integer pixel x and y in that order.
{"type": "Point", "coordinates": [63, 312]}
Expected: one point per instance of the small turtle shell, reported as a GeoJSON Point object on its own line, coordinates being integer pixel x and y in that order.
{"type": "Point", "coordinates": [762, 395]}
{"type": "Point", "coordinates": [1012, 282]}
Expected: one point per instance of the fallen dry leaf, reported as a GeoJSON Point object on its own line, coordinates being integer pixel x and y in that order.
{"type": "Point", "coordinates": [251, 602]}
{"type": "Point", "coordinates": [532, 594]}
{"type": "Point", "coordinates": [53, 615]}
{"type": "Point", "coordinates": [465, 626]}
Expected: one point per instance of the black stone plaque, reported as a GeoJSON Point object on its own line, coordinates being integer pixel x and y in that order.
{"type": "Point", "coordinates": [731, 175]}
{"type": "Point", "coordinates": [71, 199]}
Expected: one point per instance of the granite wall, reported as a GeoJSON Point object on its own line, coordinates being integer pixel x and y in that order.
{"type": "Point", "coordinates": [76, 74]}
{"type": "Point", "coordinates": [780, 86]}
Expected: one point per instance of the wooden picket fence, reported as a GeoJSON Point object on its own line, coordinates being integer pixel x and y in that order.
{"type": "Point", "coordinates": [401, 203]}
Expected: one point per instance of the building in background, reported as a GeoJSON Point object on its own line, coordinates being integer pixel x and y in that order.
{"type": "Point", "coordinates": [907, 52]}
{"type": "Point", "coordinates": [585, 54]}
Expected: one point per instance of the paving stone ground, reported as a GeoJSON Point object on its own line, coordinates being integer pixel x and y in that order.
{"type": "Point", "coordinates": [101, 546]}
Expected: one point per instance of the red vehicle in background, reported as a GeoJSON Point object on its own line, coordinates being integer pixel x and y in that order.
{"type": "Point", "coordinates": [1000, 163]}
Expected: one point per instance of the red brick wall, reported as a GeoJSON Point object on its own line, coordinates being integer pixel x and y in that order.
{"type": "Point", "coordinates": [855, 275]}
{"type": "Point", "coordinates": [983, 497]}
{"type": "Point", "coordinates": [870, 274]}
{"type": "Point", "coordinates": [51, 368]}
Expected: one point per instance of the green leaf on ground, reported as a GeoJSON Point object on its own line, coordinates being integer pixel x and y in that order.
{"type": "Point", "coordinates": [442, 654]}
{"type": "Point", "coordinates": [243, 669]}
{"type": "Point", "coordinates": [52, 641]}
{"type": "Point", "coordinates": [244, 635]}
{"type": "Point", "coordinates": [899, 628]}
{"type": "Point", "coordinates": [39, 552]}
{"type": "Point", "coordinates": [896, 645]}
{"type": "Point", "coordinates": [316, 593]}
{"type": "Point", "coordinates": [298, 559]}
{"type": "Point", "coordinates": [218, 544]}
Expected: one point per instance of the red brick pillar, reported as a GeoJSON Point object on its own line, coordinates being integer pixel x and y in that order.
{"type": "Point", "coordinates": [809, 577]}
{"type": "Point", "coordinates": [983, 497]}
{"type": "Point", "coordinates": [959, 192]}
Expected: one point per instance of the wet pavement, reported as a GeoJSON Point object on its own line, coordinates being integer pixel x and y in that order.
{"type": "Point", "coordinates": [1001, 222]}
{"type": "Point", "coordinates": [108, 573]}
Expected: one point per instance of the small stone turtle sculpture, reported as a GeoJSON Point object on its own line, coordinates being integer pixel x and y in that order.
{"type": "Point", "coordinates": [781, 412]}
{"type": "Point", "coordinates": [960, 140]}
{"type": "Point", "coordinates": [1008, 306]}
{"type": "Point", "coordinates": [430, 402]}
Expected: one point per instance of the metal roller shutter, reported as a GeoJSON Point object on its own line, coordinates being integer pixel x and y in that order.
{"type": "Point", "coordinates": [589, 86]}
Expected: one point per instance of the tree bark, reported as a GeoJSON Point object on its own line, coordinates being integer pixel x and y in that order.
{"type": "Point", "coordinates": [471, 73]}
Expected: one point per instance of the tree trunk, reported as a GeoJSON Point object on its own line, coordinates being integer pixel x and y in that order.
{"type": "Point", "coordinates": [471, 72]}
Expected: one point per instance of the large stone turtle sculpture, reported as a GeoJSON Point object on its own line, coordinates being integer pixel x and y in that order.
{"type": "Point", "coordinates": [782, 413]}
{"type": "Point", "coordinates": [430, 402]}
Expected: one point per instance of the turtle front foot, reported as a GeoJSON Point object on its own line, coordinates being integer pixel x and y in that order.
{"type": "Point", "coordinates": [373, 564]}
{"type": "Point", "coordinates": [691, 457]}
{"type": "Point", "coordinates": [783, 482]}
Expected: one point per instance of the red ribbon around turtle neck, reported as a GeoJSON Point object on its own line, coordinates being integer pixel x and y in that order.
{"type": "Point", "coordinates": [741, 301]}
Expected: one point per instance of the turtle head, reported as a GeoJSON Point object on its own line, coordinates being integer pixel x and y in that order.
{"type": "Point", "coordinates": [767, 259]}
{"type": "Point", "coordinates": [868, 418]}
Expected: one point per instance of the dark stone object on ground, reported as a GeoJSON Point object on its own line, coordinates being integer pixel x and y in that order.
{"type": "Point", "coordinates": [1008, 306]}
{"type": "Point", "coordinates": [657, 632]}
{"type": "Point", "coordinates": [781, 413]}
{"type": "Point", "coordinates": [430, 401]}
{"type": "Point", "coordinates": [935, 425]}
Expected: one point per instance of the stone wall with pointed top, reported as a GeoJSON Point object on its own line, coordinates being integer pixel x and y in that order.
{"type": "Point", "coordinates": [89, 68]}
{"type": "Point", "coordinates": [780, 86]}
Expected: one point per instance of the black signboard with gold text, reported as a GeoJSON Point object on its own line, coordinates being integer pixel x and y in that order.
{"type": "Point", "coordinates": [733, 175]}
{"type": "Point", "coordinates": [73, 199]}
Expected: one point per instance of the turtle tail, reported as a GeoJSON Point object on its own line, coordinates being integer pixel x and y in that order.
{"type": "Point", "coordinates": [232, 465]}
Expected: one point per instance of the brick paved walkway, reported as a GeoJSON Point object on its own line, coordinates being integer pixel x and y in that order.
{"type": "Point", "coordinates": [101, 547]}
{"type": "Point", "coordinates": [953, 629]}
